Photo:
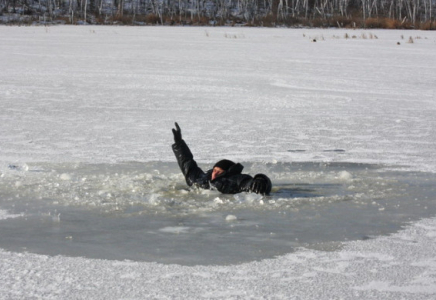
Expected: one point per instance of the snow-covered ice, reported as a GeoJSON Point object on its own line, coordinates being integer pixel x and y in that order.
{"type": "Point", "coordinates": [110, 95]}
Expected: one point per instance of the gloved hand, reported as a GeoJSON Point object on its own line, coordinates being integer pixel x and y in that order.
{"type": "Point", "coordinates": [177, 133]}
{"type": "Point", "coordinates": [261, 184]}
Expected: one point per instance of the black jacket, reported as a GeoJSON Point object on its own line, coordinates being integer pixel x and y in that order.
{"type": "Point", "coordinates": [231, 181]}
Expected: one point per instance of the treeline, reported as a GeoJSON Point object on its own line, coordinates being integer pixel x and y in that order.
{"type": "Point", "coordinates": [316, 13]}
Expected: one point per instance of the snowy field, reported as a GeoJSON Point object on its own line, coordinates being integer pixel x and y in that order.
{"type": "Point", "coordinates": [268, 97]}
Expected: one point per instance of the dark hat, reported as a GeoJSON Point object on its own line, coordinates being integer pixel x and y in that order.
{"type": "Point", "coordinates": [224, 164]}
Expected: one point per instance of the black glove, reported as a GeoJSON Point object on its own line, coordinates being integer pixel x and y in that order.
{"type": "Point", "coordinates": [177, 133]}
{"type": "Point", "coordinates": [261, 185]}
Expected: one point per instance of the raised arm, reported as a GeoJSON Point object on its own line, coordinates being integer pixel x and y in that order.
{"type": "Point", "coordinates": [185, 159]}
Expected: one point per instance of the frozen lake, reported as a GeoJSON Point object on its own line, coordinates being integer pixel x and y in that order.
{"type": "Point", "coordinates": [344, 127]}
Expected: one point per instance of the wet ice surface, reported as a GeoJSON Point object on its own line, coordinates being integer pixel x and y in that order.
{"type": "Point", "coordinates": [145, 211]}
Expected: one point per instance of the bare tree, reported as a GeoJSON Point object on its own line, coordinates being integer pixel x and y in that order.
{"type": "Point", "coordinates": [4, 5]}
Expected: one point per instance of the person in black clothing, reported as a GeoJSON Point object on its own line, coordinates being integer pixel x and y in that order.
{"type": "Point", "coordinates": [225, 176]}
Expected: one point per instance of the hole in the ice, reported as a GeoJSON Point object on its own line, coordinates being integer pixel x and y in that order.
{"type": "Point", "coordinates": [145, 212]}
